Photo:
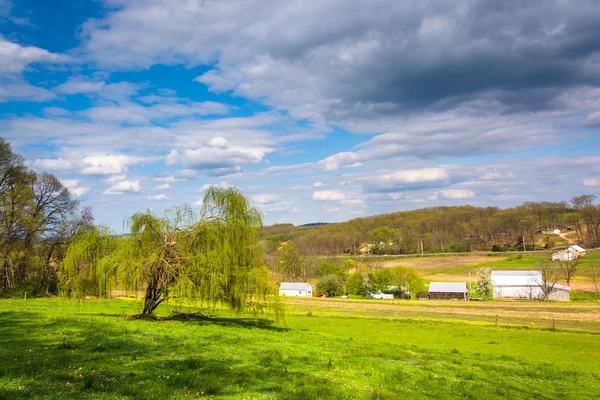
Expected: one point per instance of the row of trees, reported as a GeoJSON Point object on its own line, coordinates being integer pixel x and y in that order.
{"type": "Point", "coordinates": [403, 282]}
{"type": "Point", "coordinates": [451, 229]}
{"type": "Point", "coordinates": [38, 219]}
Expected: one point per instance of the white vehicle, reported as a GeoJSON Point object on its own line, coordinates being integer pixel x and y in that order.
{"type": "Point", "coordinates": [382, 296]}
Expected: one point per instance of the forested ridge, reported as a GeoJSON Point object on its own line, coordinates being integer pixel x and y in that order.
{"type": "Point", "coordinates": [449, 229]}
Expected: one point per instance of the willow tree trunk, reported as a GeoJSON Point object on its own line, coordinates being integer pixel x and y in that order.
{"type": "Point", "coordinates": [152, 298]}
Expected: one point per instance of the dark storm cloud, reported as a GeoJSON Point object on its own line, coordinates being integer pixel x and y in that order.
{"type": "Point", "coordinates": [340, 62]}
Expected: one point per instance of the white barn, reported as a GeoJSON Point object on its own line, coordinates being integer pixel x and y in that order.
{"type": "Point", "coordinates": [524, 285]}
{"type": "Point", "coordinates": [298, 289]}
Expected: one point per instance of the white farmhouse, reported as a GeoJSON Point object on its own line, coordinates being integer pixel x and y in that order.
{"type": "Point", "coordinates": [569, 254]}
{"type": "Point", "coordinates": [524, 285]}
{"type": "Point", "coordinates": [298, 289]}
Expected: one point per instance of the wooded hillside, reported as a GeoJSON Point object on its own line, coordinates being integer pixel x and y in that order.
{"type": "Point", "coordinates": [451, 229]}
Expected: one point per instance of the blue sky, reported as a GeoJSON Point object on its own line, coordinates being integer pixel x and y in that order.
{"type": "Point", "coordinates": [316, 110]}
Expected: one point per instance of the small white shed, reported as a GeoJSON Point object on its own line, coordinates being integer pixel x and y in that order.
{"type": "Point", "coordinates": [297, 289]}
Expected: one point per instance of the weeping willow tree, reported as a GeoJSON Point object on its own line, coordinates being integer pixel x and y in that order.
{"type": "Point", "coordinates": [80, 272]}
{"type": "Point", "coordinates": [212, 260]}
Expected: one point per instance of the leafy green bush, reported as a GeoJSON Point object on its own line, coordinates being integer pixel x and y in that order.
{"type": "Point", "coordinates": [331, 286]}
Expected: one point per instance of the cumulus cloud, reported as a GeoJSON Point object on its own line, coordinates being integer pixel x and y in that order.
{"type": "Point", "coordinates": [218, 155]}
{"type": "Point", "coordinates": [158, 197]}
{"type": "Point", "coordinates": [265, 198]}
{"type": "Point", "coordinates": [457, 193]}
{"type": "Point", "coordinates": [591, 182]}
{"type": "Point", "coordinates": [318, 185]}
{"type": "Point", "coordinates": [57, 164]}
{"type": "Point", "coordinates": [116, 178]}
{"type": "Point", "coordinates": [19, 90]}
{"type": "Point", "coordinates": [328, 195]}
{"type": "Point", "coordinates": [410, 179]}
{"type": "Point", "coordinates": [79, 86]}
{"type": "Point", "coordinates": [73, 186]}
{"type": "Point", "coordinates": [14, 58]}
{"type": "Point", "coordinates": [163, 186]}
{"type": "Point", "coordinates": [220, 185]}
{"type": "Point", "coordinates": [110, 164]}
{"type": "Point", "coordinates": [124, 187]}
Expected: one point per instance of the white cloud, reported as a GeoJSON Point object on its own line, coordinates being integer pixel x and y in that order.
{"type": "Point", "coordinates": [158, 197]}
{"type": "Point", "coordinates": [109, 164]}
{"type": "Point", "coordinates": [14, 58]}
{"type": "Point", "coordinates": [338, 160]}
{"type": "Point", "coordinates": [457, 193]}
{"type": "Point", "coordinates": [199, 203]}
{"type": "Point", "coordinates": [79, 86]}
{"type": "Point", "coordinates": [318, 185]}
{"type": "Point", "coordinates": [116, 178]}
{"type": "Point", "coordinates": [73, 186]}
{"type": "Point", "coordinates": [333, 209]}
{"type": "Point", "coordinates": [80, 191]}
{"type": "Point", "coordinates": [328, 195]}
{"type": "Point", "coordinates": [163, 186]}
{"type": "Point", "coordinates": [221, 185]}
{"type": "Point", "coordinates": [218, 141]}
{"type": "Point", "coordinates": [58, 164]}
{"type": "Point", "coordinates": [409, 179]}
{"type": "Point", "coordinates": [351, 202]}
{"type": "Point", "coordinates": [266, 198]}
{"type": "Point", "coordinates": [124, 187]}
{"type": "Point", "coordinates": [591, 182]}
{"type": "Point", "coordinates": [20, 90]}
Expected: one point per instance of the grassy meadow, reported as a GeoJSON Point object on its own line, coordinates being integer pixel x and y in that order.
{"type": "Point", "coordinates": [65, 349]}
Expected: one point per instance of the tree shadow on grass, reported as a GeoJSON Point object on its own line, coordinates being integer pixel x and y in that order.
{"type": "Point", "coordinates": [248, 323]}
{"type": "Point", "coordinates": [74, 357]}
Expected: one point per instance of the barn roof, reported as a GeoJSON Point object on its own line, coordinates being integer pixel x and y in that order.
{"type": "Point", "coordinates": [294, 286]}
{"type": "Point", "coordinates": [576, 248]}
{"type": "Point", "coordinates": [516, 278]}
{"type": "Point", "coordinates": [448, 287]}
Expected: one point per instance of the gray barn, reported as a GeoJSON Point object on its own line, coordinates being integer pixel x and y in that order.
{"type": "Point", "coordinates": [448, 291]}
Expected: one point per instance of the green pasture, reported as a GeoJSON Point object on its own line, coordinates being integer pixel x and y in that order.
{"type": "Point", "coordinates": [64, 349]}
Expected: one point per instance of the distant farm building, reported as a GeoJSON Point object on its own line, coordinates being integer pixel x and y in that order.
{"type": "Point", "coordinates": [525, 285]}
{"type": "Point", "coordinates": [571, 253]}
{"type": "Point", "coordinates": [448, 291]}
{"type": "Point", "coordinates": [297, 289]}
{"type": "Point", "coordinates": [381, 296]}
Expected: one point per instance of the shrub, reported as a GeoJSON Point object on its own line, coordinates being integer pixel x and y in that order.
{"type": "Point", "coordinates": [330, 286]}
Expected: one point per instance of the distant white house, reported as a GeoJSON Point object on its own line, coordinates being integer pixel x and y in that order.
{"type": "Point", "coordinates": [571, 253]}
{"type": "Point", "coordinates": [525, 285]}
{"type": "Point", "coordinates": [298, 289]}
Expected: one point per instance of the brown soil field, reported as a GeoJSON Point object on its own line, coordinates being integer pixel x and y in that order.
{"type": "Point", "coordinates": [433, 263]}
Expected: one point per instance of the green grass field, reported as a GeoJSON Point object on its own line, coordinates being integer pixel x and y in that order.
{"type": "Point", "coordinates": [63, 349]}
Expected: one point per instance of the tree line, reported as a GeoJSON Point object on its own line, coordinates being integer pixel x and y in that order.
{"type": "Point", "coordinates": [38, 219]}
{"type": "Point", "coordinates": [452, 229]}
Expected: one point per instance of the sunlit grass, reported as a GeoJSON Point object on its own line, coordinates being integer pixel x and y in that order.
{"type": "Point", "coordinates": [67, 349]}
